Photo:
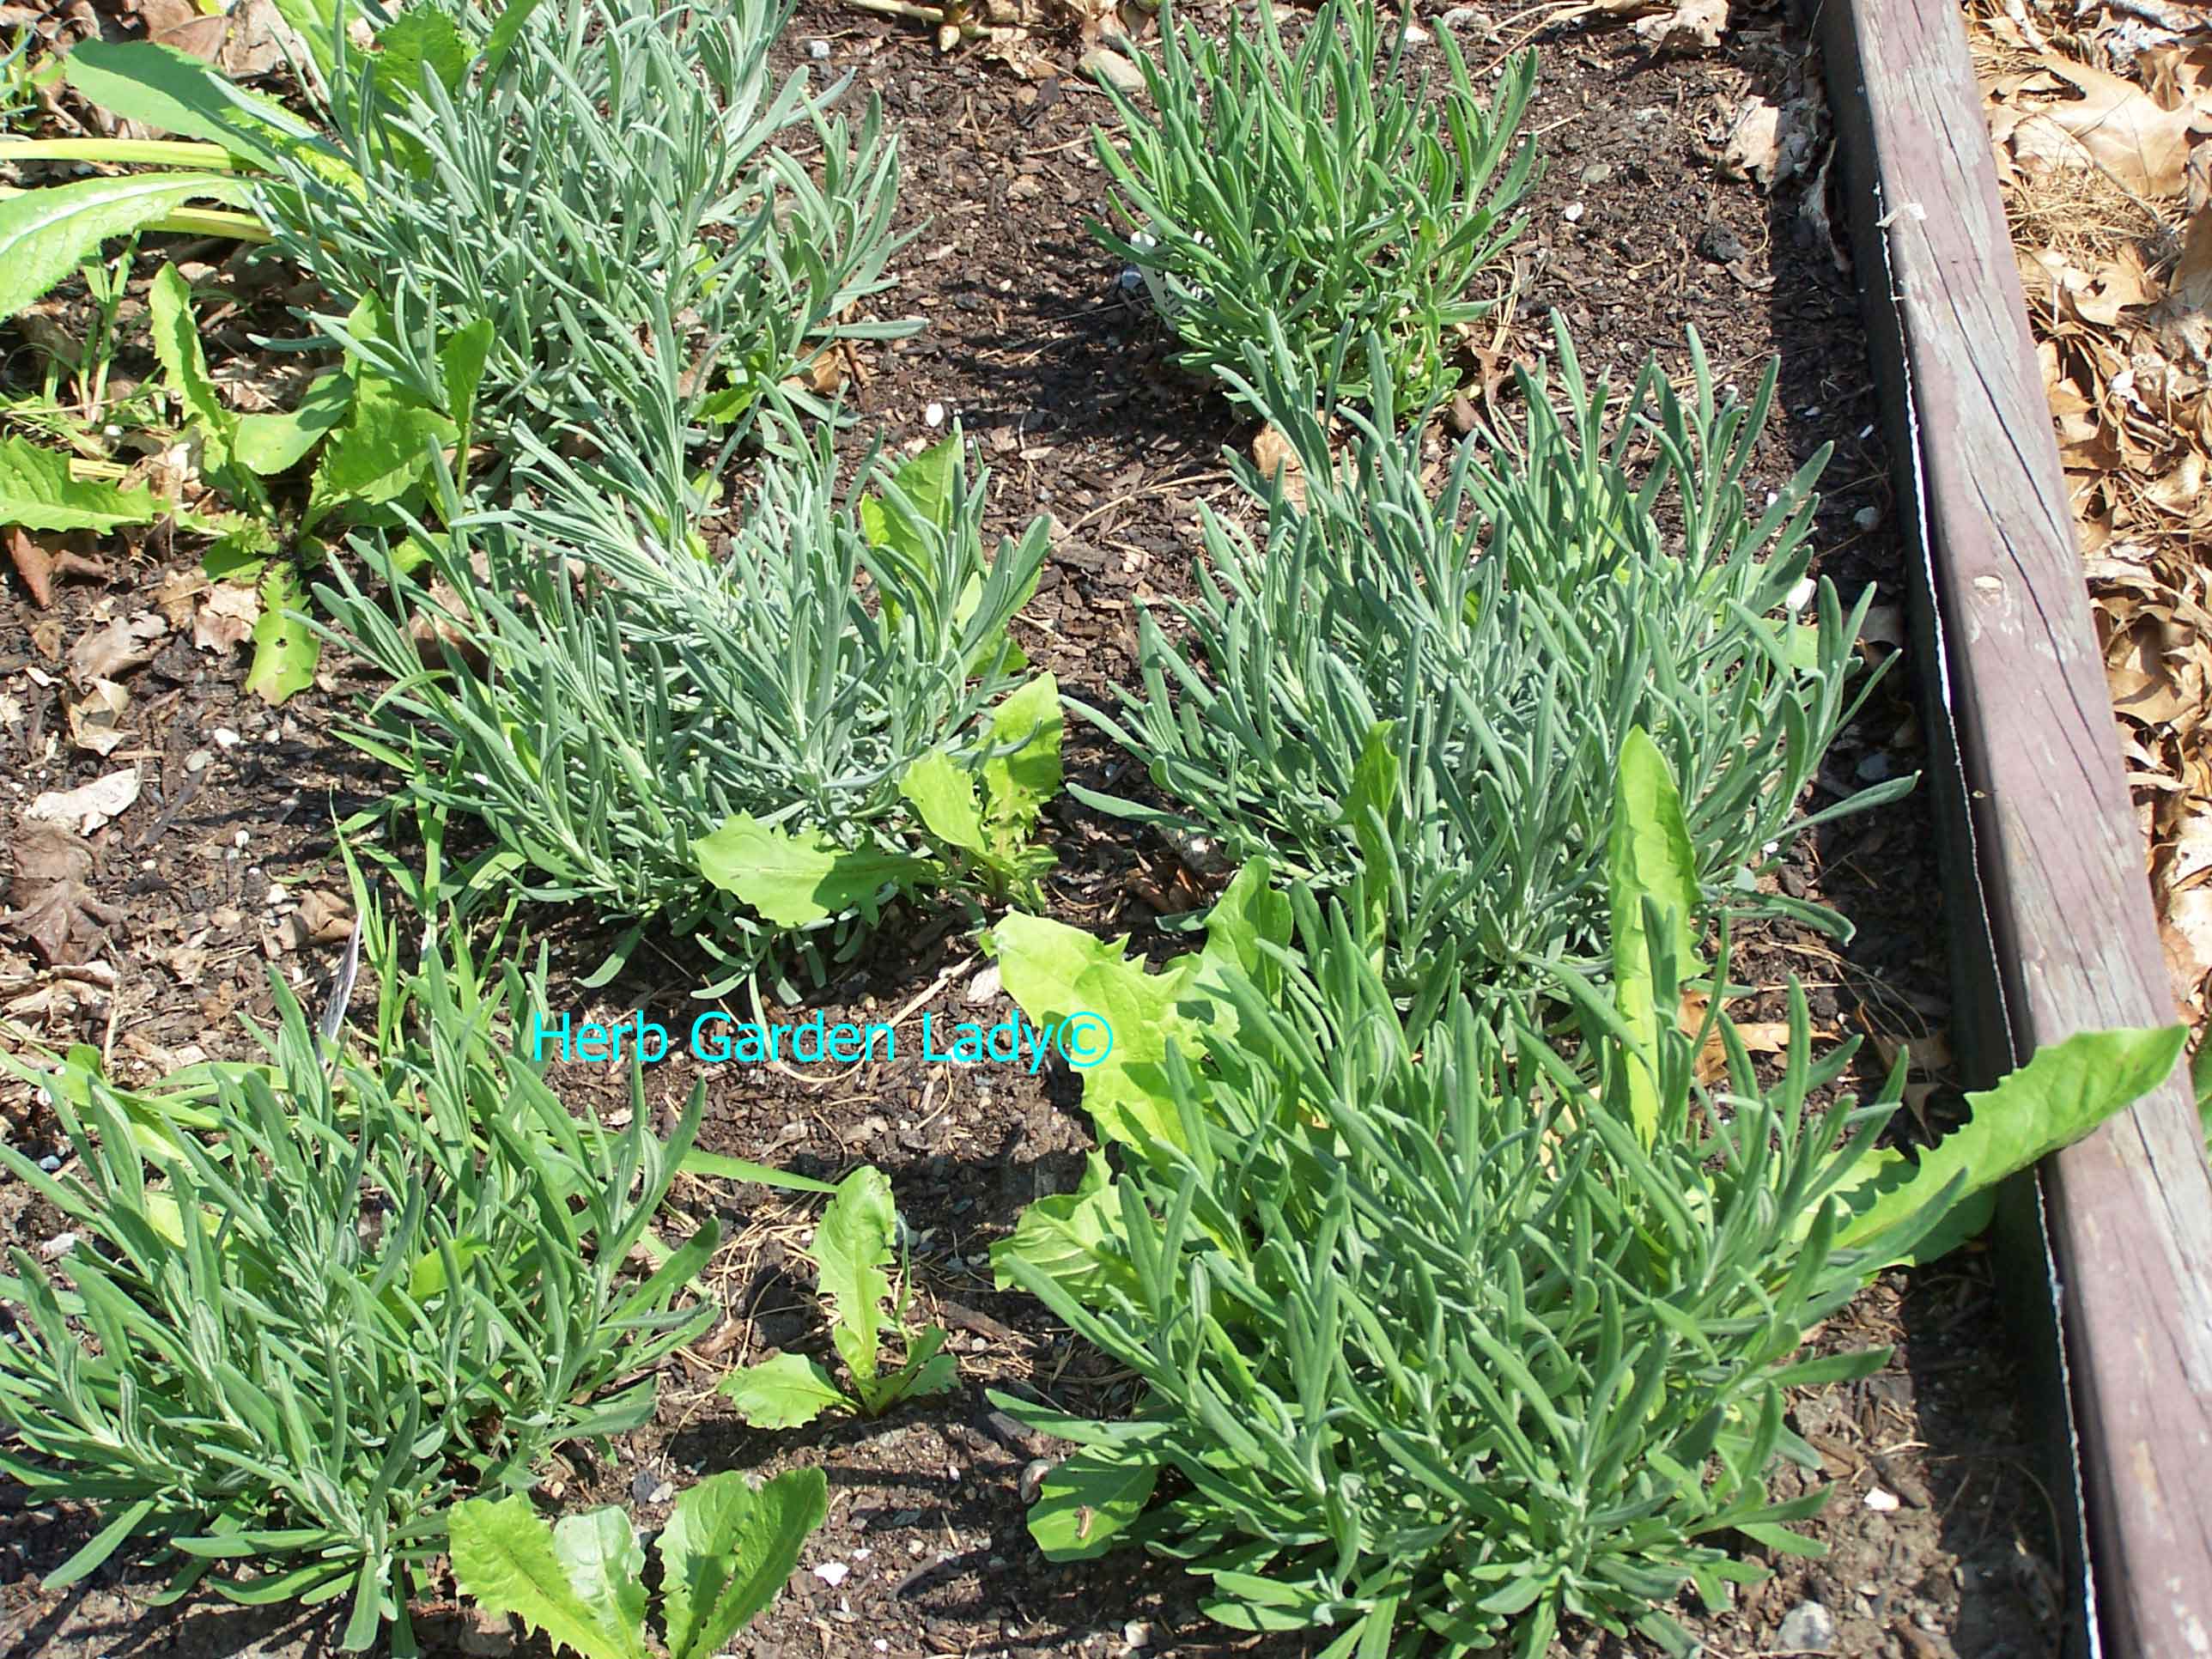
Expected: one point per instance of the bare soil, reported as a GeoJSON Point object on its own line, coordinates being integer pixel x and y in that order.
{"type": "Point", "coordinates": [1059, 374]}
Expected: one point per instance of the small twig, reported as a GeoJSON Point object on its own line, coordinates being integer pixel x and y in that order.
{"type": "Point", "coordinates": [937, 15]}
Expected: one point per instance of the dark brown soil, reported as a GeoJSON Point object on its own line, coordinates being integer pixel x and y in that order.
{"type": "Point", "coordinates": [1061, 376]}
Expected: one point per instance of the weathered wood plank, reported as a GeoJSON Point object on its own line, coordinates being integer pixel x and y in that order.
{"type": "Point", "coordinates": [2051, 835]}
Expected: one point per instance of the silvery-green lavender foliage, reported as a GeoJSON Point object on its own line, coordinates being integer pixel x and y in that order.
{"type": "Point", "coordinates": [1437, 1351]}
{"type": "Point", "coordinates": [1590, 574]}
{"type": "Point", "coordinates": [569, 169]}
{"type": "Point", "coordinates": [607, 689]}
{"type": "Point", "coordinates": [1328, 187]}
{"type": "Point", "coordinates": [312, 1302]}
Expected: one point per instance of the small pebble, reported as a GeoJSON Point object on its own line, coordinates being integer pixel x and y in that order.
{"type": "Point", "coordinates": [242, 838]}
{"type": "Point", "coordinates": [1137, 1633]}
{"type": "Point", "coordinates": [1809, 1627]}
{"type": "Point", "coordinates": [1874, 768]}
{"type": "Point", "coordinates": [818, 49]}
{"type": "Point", "coordinates": [226, 738]}
{"type": "Point", "coordinates": [197, 761]}
{"type": "Point", "coordinates": [1597, 172]}
{"type": "Point", "coordinates": [934, 415]}
{"type": "Point", "coordinates": [1867, 518]}
{"type": "Point", "coordinates": [1130, 278]}
{"type": "Point", "coordinates": [1571, 212]}
{"type": "Point", "coordinates": [1415, 35]}
{"type": "Point", "coordinates": [59, 1244]}
{"type": "Point", "coordinates": [832, 1573]}
{"type": "Point", "coordinates": [1881, 1502]}
{"type": "Point", "coordinates": [1461, 17]}
{"type": "Point", "coordinates": [49, 1163]}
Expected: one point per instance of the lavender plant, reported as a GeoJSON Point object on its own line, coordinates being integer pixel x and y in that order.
{"type": "Point", "coordinates": [1434, 689]}
{"type": "Point", "coordinates": [571, 169]}
{"type": "Point", "coordinates": [314, 1300]}
{"type": "Point", "coordinates": [1326, 188]}
{"type": "Point", "coordinates": [717, 742]}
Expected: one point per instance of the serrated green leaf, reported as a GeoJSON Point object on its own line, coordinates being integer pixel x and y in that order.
{"type": "Point", "coordinates": [944, 796]}
{"type": "Point", "coordinates": [1648, 858]}
{"type": "Point", "coordinates": [176, 348]}
{"type": "Point", "coordinates": [380, 453]}
{"type": "Point", "coordinates": [786, 1391]}
{"type": "Point", "coordinates": [2063, 1092]}
{"type": "Point", "coordinates": [285, 648]}
{"type": "Point", "coordinates": [727, 1551]}
{"type": "Point", "coordinates": [1016, 785]}
{"type": "Point", "coordinates": [172, 91]}
{"type": "Point", "coordinates": [47, 232]}
{"type": "Point", "coordinates": [605, 1565]}
{"type": "Point", "coordinates": [421, 38]}
{"type": "Point", "coordinates": [461, 359]}
{"type": "Point", "coordinates": [1251, 913]}
{"type": "Point", "coordinates": [271, 443]}
{"type": "Point", "coordinates": [37, 492]}
{"type": "Point", "coordinates": [851, 1249]}
{"type": "Point", "coordinates": [1052, 970]}
{"type": "Point", "coordinates": [1073, 1238]}
{"type": "Point", "coordinates": [504, 1560]}
{"type": "Point", "coordinates": [1089, 1500]}
{"type": "Point", "coordinates": [926, 483]}
{"type": "Point", "coordinates": [795, 879]}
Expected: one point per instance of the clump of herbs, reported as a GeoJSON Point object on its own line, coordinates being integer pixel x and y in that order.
{"type": "Point", "coordinates": [1326, 188]}
{"type": "Point", "coordinates": [1434, 688]}
{"type": "Point", "coordinates": [310, 1302]}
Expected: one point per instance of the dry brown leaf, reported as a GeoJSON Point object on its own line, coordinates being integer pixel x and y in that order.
{"type": "Point", "coordinates": [2149, 673]}
{"type": "Point", "coordinates": [327, 918]}
{"type": "Point", "coordinates": [89, 805]}
{"type": "Point", "coordinates": [1694, 25]}
{"type": "Point", "coordinates": [245, 39]}
{"type": "Point", "coordinates": [54, 908]}
{"type": "Point", "coordinates": [1754, 141]}
{"type": "Point", "coordinates": [2186, 933]}
{"type": "Point", "coordinates": [2191, 284]}
{"type": "Point", "coordinates": [1272, 453]}
{"type": "Point", "coordinates": [40, 566]}
{"type": "Point", "coordinates": [177, 594]}
{"type": "Point", "coordinates": [33, 563]}
{"type": "Point", "coordinates": [96, 719]}
{"type": "Point", "coordinates": [226, 617]}
{"type": "Point", "coordinates": [2069, 114]}
{"type": "Point", "coordinates": [124, 644]}
{"type": "Point", "coordinates": [1765, 1037]}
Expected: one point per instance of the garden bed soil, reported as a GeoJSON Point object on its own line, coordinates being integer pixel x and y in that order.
{"type": "Point", "coordinates": [1059, 374]}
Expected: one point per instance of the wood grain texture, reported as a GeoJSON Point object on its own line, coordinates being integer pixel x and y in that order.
{"type": "Point", "coordinates": [2056, 845]}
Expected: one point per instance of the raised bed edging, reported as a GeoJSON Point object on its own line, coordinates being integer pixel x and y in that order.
{"type": "Point", "coordinates": [2050, 919]}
